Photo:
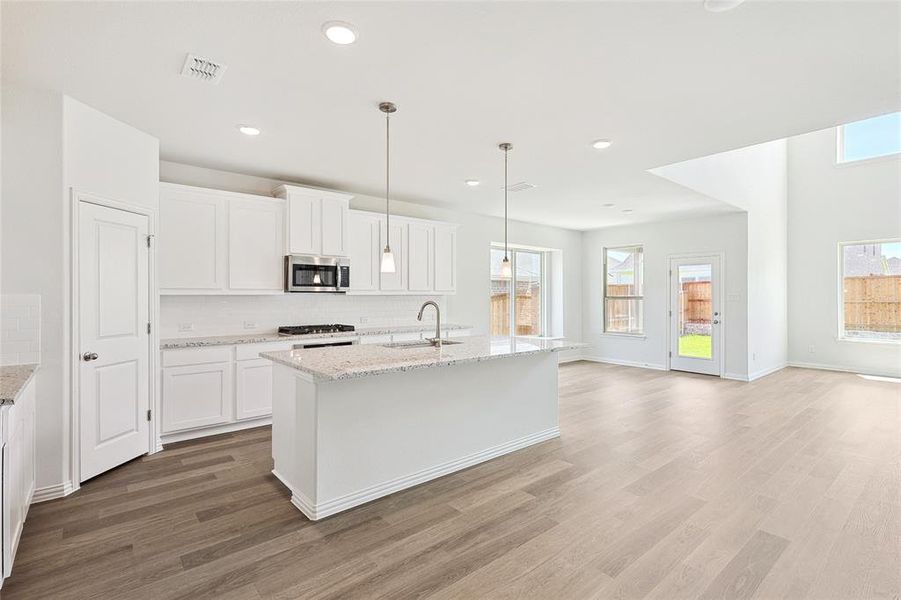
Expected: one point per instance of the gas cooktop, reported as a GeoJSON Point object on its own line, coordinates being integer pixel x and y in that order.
{"type": "Point", "coordinates": [308, 329]}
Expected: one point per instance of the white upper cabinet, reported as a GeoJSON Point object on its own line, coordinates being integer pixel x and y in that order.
{"type": "Point", "coordinates": [255, 244]}
{"type": "Point", "coordinates": [193, 240]}
{"type": "Point", "coordinates": [445, 258]}
{"type": "Point", "coordinates": [363, 251]}
{"type": "Point", "coordinates": [316, 221]}
{"type": "Point", "coordinates": [425, 255]}
{"type": "Point", "coordinates": [420, 260]}
{"type": "Point", "coordinates": [215, 242]}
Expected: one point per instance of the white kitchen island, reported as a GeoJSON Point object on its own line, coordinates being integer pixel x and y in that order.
{"type": "Point", "coordinates": [354, 423]}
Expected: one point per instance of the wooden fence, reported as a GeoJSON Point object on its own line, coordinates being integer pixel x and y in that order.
{"type": "Point", "coordinates": [873, 303]}
{"type": "Point", "coordinates": [697, 303]}
{"type": "Point", "coordinates": [528, 314]}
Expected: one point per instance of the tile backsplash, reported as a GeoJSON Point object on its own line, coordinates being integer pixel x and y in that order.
{"type": "Point", "coordinates": [187, 316]}
{"type": "Point", "coordinates": [20, 329]}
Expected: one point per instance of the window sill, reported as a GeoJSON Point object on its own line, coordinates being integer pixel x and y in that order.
{"type": "Point", "coordinates": [634, 336]}
{"type": "Point", "coordinates": [866, 341]}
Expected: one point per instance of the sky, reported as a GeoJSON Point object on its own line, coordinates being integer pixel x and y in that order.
{"type": "Point", "coordinates": [879, 136]}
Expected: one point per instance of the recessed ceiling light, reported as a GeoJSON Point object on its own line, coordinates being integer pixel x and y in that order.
{"type": "Point", "coordinates": [601, 144]}
{"type": "Point", "coordinates": [472, 182]}
{"type": "Point", "coordinates": [248, 130]}
{"type": "Point", "coordinates": [608, 204]}
{"type": "Point", "coordinates": [721, 5]}
{"type": "Point", "coordinates": [339, 33]}
{"type": "Point", "coordinates": [627, 210]}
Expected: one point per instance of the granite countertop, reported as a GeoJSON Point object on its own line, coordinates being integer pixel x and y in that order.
{"type": "Point", "coordinates": [349, 362]}
{"type": "Point", "coordinates": [13, 379]}
{"type": "Point", "coordinates": [273, 336]}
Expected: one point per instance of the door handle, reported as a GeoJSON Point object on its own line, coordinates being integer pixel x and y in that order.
{"type": "Point", "coordinates": [90, 356]}
{"type": "Point", "coordinates": [716, 321]}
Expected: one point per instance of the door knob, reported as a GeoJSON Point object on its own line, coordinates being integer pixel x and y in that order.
{"type": "Point", "coordinates": [716, 321]}
{"type": "Point", "coordinates": [89, 356]}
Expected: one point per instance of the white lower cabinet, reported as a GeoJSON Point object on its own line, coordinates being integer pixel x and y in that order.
{"type": "Point", "coordinates": [197, 396]}
{"type": "Point", "coordinates": [253, 389]}
{"type": "Point", "coordinates": [17, 436]}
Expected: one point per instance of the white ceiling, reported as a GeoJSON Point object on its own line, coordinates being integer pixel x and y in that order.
{"type": "Point", "coordinates": [666, 81]}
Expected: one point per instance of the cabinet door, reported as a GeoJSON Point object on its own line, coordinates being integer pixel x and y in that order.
{"type": "Point", "coordinates": [304, 224]}
{"type": "Point", "coordinates": [419, 257]}
{"type": "Point", "coordinates": [255, 259]}
{"type": "Point", "coordinates": [192, 241]}
{"type": "Point", "coordinates": [445, 259]}
{"type": "Point", "coordinates": [197, 396]}
{"type": "Point", "coordinates": [334, 226]}
{"type": "Point", "coordinates": [396, 281]}
{"type": "Point", "coordinates": [363, 251]}
{"type": "Point", "coordinates": [253, 388]}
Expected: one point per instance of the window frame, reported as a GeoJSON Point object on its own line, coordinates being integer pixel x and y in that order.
{"type": "Point", "coordinates": [604, 296]}
{"type": "Point", "coordinates": [544, 254]}
{"type": "Point", "coordinates": [840, 292]}
{"type": "Point", "coordinates": [840, 150]}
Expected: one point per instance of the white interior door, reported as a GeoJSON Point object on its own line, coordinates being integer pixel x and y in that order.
{"type": "Point", "coordinates": [114, 307]}
{"type": "Point", "coordinates": [695, 315]}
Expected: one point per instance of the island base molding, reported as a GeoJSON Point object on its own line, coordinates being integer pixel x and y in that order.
{"type": "Point", "coordinates": [340, 444]}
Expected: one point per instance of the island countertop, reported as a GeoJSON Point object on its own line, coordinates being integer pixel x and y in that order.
{"type": "Point", "coordinates": [350, 362]}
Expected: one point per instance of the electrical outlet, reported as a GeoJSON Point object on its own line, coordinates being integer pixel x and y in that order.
{"type": "Point", "coordinates": [812, 349]}
{"type": "Point", "coordinates": [250, 325]}
{"type": "Point", "coordinates": [184, 327]}
{"type": "Point", "coordinates": [364, 320]}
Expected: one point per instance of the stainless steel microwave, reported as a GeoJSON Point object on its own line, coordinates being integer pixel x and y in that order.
{"type": "Point", "coordinates": [316, 274]}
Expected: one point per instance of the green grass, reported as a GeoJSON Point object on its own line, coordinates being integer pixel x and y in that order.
{"type": "Point", "coordinates": [694, 346]}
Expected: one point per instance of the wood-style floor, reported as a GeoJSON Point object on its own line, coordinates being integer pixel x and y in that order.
{"type": "Point", "coordinates": [663, 485]}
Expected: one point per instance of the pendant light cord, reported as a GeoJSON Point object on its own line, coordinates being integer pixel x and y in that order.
{"type": "Point", "coordinates": [505, 202]}
{"type": "Point", "coordinates": [387, 179]}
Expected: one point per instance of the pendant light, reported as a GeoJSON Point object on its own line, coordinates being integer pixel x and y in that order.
{"type": "Point", "coordinates": [506, 270]}
{"type": "Point", "coordinates": [387, 255]}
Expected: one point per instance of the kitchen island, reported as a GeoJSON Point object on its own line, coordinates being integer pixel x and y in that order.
{"type": "Point", "coordinates": [354, 423]}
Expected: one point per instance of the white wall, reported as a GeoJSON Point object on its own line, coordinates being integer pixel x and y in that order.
{"type": "Point", "coordinates": [754, 179]}
{"type": "Point", "coordinates": [59, 143]}
{"type": "Point", "coordinates": [470, 305]}
{"type": "Point", "coordinates": [727, 234]}
{"type": "Point", "coordinates": [829, 204]}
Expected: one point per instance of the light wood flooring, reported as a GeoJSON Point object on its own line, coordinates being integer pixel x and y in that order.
{"type": "Point", "coordinates": [663, 485]}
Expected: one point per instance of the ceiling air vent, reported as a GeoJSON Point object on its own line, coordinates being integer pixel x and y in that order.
{"type": "Point", "coordinates": [204, 69]}
{"type": "Point", "coordinates": [520, 186]}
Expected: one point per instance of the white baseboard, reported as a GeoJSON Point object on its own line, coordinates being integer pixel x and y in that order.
{"type": "Point", "coordinates": [764, 372]}
{"type": "Point", "coordinates": [624, 363]}
{"type": "Point", "coordinates": [315, 511]}
{"type": "Point", "coordinates": [735, 376]}
{"type": "Point", "coordinates": [842, 369]}
{"type": "Point", "coordinates": [52, 492]}
{"type": "Point", "coordinates": [181, 436]}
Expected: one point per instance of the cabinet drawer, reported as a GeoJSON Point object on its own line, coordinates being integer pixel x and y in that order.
{"type": "Point", "coordinates": [196, 356]}
{"type": "Point", "coordinates": [252, 351]}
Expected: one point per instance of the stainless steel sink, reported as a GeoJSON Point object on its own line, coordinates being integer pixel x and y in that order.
{"type": "Point", "coordinates": [417, 344]}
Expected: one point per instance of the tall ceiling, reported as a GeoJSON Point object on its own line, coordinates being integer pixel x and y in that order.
{"type": "Point", "coordinates": [665, 81]}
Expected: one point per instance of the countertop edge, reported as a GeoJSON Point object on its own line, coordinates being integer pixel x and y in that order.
{"type": "Point", "coordinates": [8, 398]}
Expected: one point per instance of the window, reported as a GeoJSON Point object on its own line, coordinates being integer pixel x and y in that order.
{"type": "Point", "coordinates": [519, 304]}
{"type": "Point", "coordinates": [624, 290]}
{"type": "Point", "coordinates": [870, 138]}
{"type": "Point", "coordinates": [871, 290]}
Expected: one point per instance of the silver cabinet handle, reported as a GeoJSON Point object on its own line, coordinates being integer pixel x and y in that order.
{"type": "Point", "coordinates": [90, 356]}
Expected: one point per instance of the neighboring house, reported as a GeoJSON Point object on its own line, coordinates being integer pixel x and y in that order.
{"type": "Point", "coordinates": [620, 272]}
{"type": "Point", "coordinates": [865, 260]}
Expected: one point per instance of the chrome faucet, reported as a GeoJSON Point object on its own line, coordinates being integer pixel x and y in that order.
{"type": "Point", "coordinates": [436, 341]}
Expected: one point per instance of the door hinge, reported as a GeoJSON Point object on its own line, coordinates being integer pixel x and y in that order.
{"type": "Point", "coordinates": [148, 414]}
{"type": "Point", "coordinates": [671, 353]}
{"type": "Point", "coordinates": [148, 327]}
{"type": "Point", "coordinates": [670, 313]}
{"type": "Point", "coordinates": [149, 237]}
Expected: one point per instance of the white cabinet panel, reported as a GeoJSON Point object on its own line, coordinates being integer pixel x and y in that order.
{"type": "Point", "coordinates": [334, 226]}
{"type": "Point", "coordinates": [445, 259]}
{"type": "Point", "coordinates": [364, 251]}
{"type": "Point", "coordinates": [419, 257]}
{"type": "Point", "coordinates": [255, 259]}
{"type": "Point", "coordinates": [396, 281]}
{"type": "Point", "coordinates": [192, 244]}
{"type": "Point", "coordinates": [197, 396]}
{"type": "Point", "coordinates": [253, 388]}
{"type": "Point", "coordinates": [17, 455]}
{"type": "Point", "coordinates": [304, 224]}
